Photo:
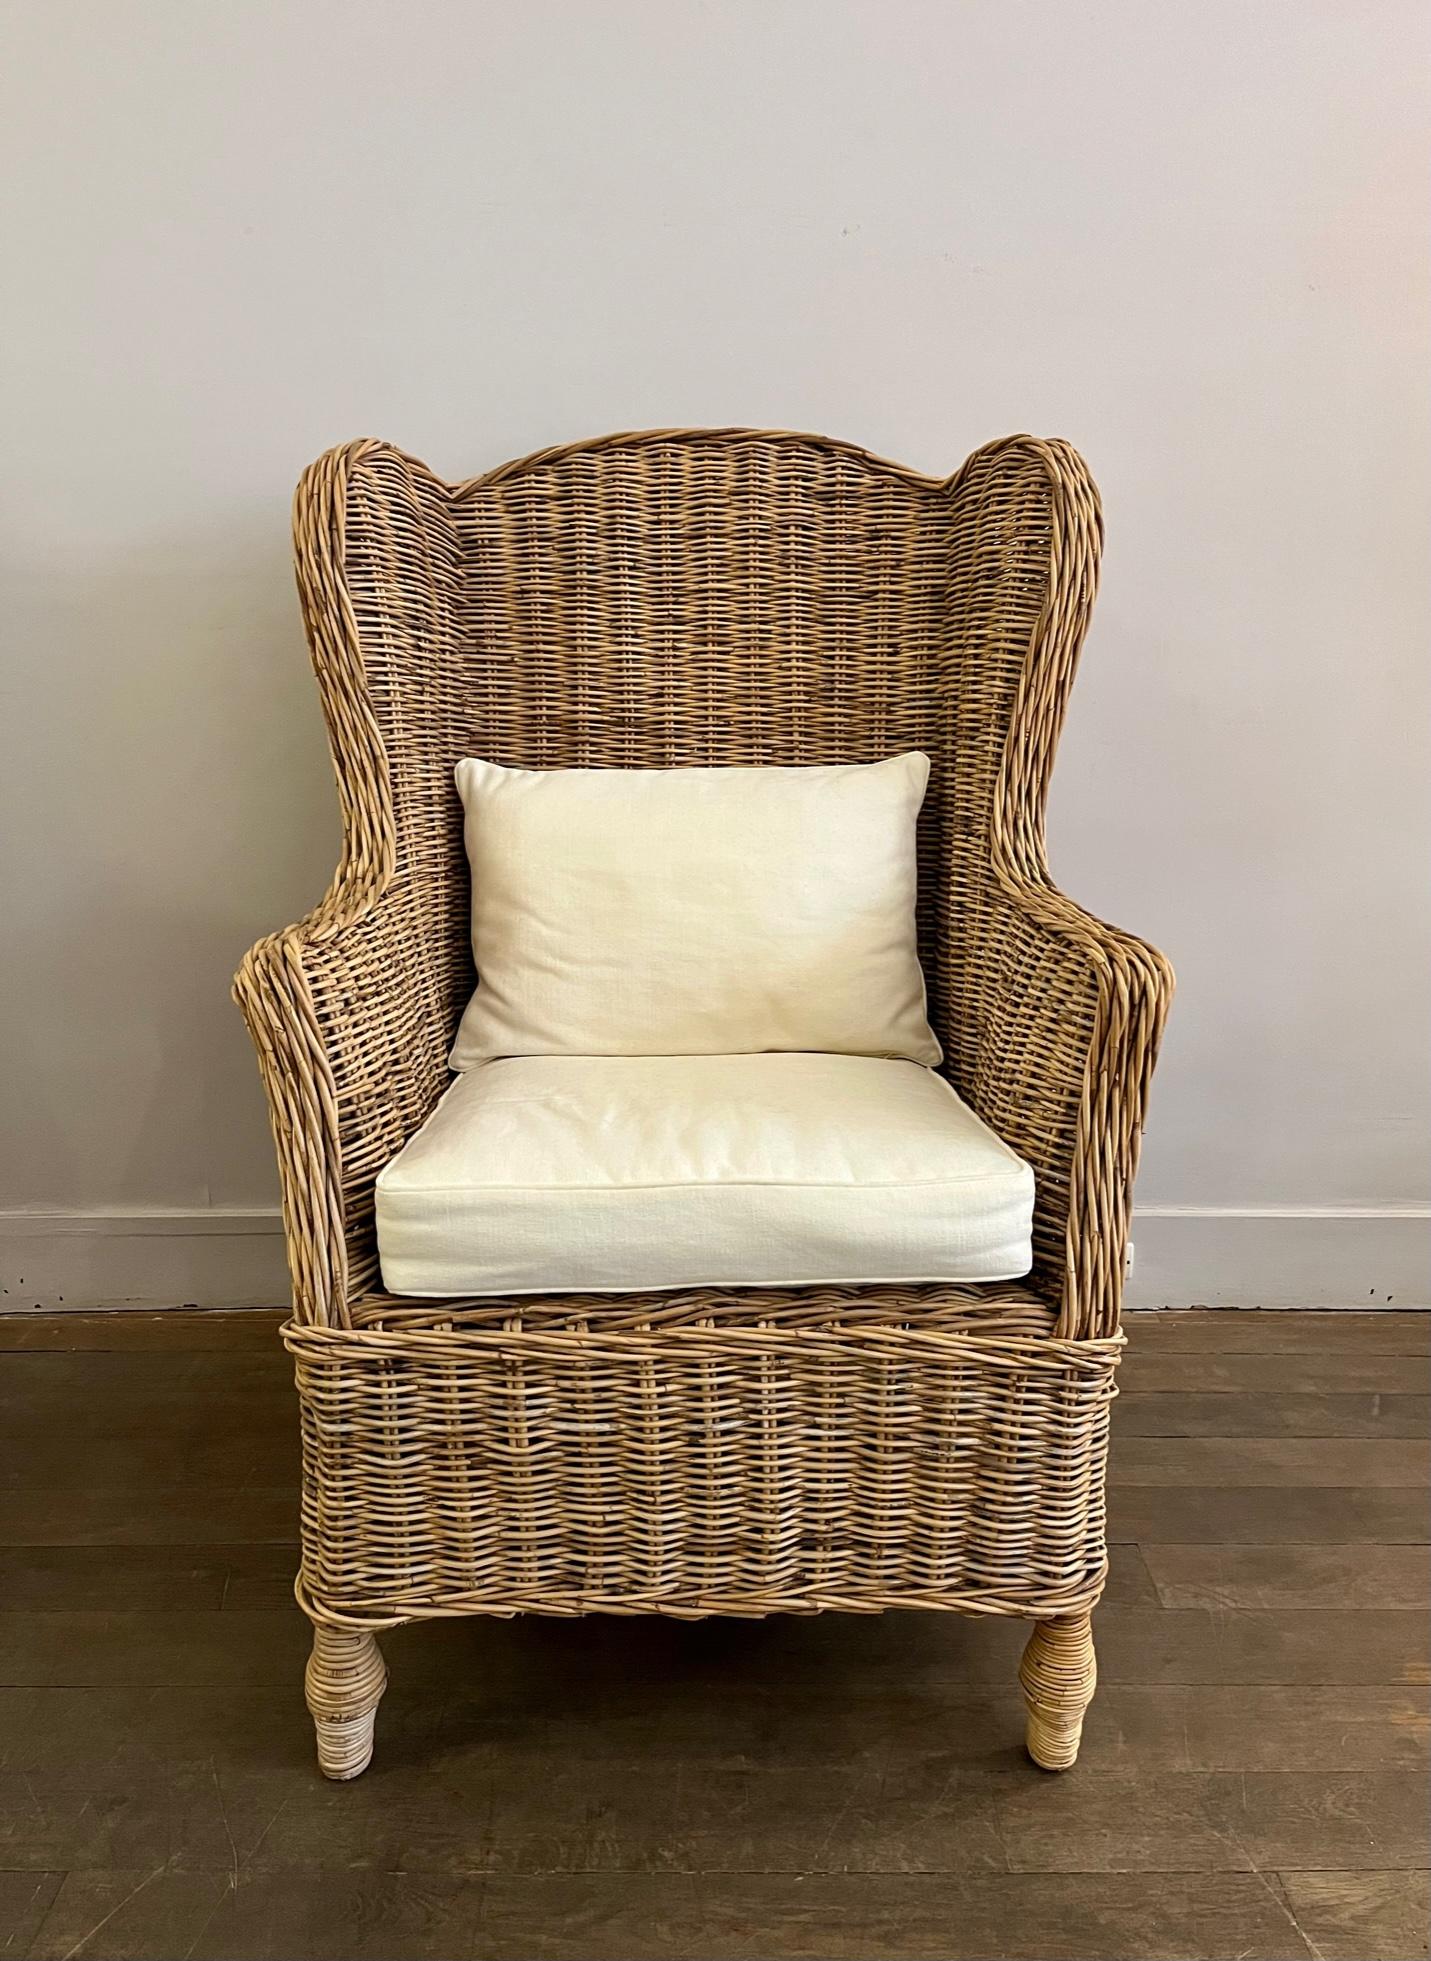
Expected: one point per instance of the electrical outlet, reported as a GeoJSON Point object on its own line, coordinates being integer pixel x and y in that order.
{"type": "Point", "coordinates": [1128, 1261]}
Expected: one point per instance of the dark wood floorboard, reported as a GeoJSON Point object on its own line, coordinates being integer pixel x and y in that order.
{"type": "Point", "coordinates": [1391, 1515]}
{"type": "Point", "coordinates": [1235, 1331]}
{"type": "Point", "coordinates": [1269, 1461]}
{"type": "Point", "coordinates": [1252, 1783]}
{"type": "Point", "coordinates": [142, 1514]}
{"type": "Point", "coordinates": [171, 1331]}
{"type": "Point", "coordinates": [25, 1900]}
{"type": "Point", "coordinates": [331, 1916]}
{"type": "Point", "coordinates": [1290, 1576]}
{"type": "Point", "coordinates": [1262, 1414]}
{"type": "Point", "coordinates": [1361, 1916]}
{"type": "Point", "coordinates": [1152, 1366]}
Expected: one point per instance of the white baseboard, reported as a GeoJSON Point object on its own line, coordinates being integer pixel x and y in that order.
{"type": "Point", "coordinates": [1285, 1256]}
{"type": "Point", "coordinates": [160, 1258]}
{"type": "Point", "coordinates": [1185, 1256]}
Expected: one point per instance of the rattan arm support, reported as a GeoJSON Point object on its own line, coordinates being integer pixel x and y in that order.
{"type": "Point", "coordinates": [1063, 1068]}
{"type": "Point", "coordinates": [336, 1012]}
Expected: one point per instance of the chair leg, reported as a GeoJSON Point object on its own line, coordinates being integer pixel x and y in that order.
{"type": "Point", "coordinates": [1058, 1674]}
{"type": "Point", "coordinates": [343, 1684]}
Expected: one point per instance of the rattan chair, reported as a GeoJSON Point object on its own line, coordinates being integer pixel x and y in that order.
{"type": "Point", "coordinates": [702, 596]}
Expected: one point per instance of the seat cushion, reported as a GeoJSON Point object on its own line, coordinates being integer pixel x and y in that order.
{"type": "Point", "coordinates": [541, 1174]}
{"type": "Point", "coordinates": [694, 911]}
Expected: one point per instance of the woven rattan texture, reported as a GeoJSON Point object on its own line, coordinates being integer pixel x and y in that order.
{"type": "Point", "coordinates": [738, 1468]}
{"type": "Point", "coordinates": [703, 596]}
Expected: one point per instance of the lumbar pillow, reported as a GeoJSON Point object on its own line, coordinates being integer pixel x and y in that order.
{"type": "Point", "coordinates": [694, 911]}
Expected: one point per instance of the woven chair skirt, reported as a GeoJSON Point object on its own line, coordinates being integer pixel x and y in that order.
{"type": "Point", "coordinates": [732, 1468]}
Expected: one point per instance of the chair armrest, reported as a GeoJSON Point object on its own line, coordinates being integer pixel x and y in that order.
{"type": "Point", "coordinates": [1073, 1015]}
{"type": "Point", "coordinates": [352, 1036]}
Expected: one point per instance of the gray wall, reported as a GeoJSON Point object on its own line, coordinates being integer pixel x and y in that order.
{"type": "Point", "coordinates": [1188, 238]}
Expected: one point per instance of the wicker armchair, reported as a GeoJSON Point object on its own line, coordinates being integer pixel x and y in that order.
{"type": "Point", "coordinates": [702, 596]}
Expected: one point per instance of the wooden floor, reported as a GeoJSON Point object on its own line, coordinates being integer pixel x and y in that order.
{"type": "Point", "coordinates": [1253, 1778]}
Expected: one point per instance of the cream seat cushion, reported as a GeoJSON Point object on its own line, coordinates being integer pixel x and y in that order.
{"type": "Point", "coordinates": [540, 1174]}
{"type": "Point", "coordinates": [694, 911]}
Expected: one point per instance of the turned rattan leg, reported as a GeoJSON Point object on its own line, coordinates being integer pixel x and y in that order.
{"type": "Point", "coordinates": [344, 1682]}
{"type": "Point", "coordinates": [1058, 1674]}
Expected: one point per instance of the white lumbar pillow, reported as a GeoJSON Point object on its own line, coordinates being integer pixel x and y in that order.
{"type": "Point", "coordinates": [694, 911]}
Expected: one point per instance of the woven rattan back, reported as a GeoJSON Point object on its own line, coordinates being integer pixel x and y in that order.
{"type": "Point", "coordinates": [701, 597]}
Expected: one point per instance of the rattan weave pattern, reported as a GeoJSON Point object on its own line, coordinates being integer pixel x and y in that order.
{"type": "Point", "coordinates": [739, 1468]}
{"type": "Point", "coordinates": [702, 596]}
